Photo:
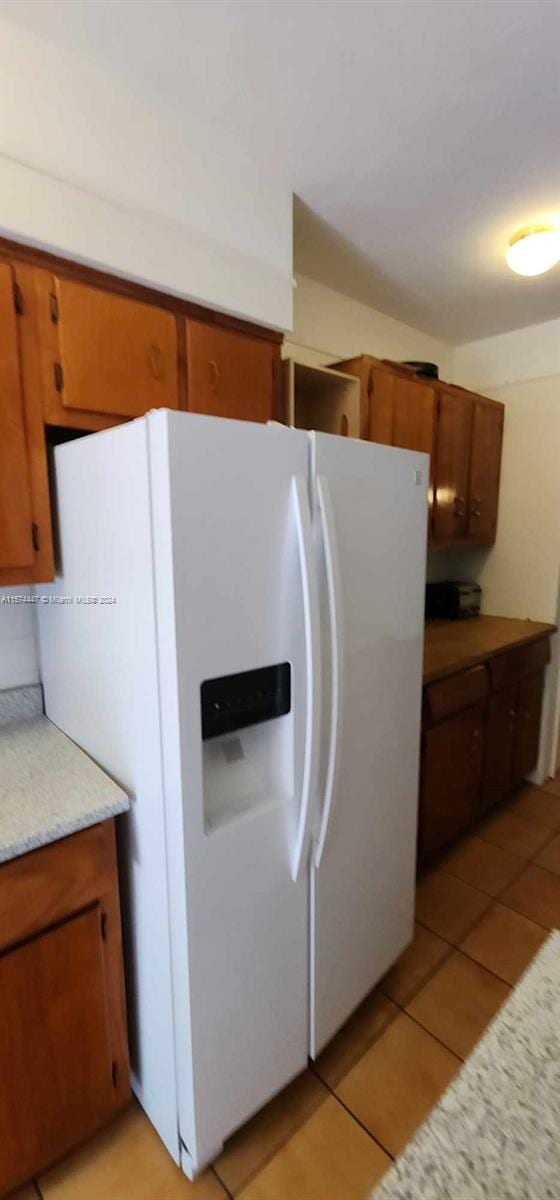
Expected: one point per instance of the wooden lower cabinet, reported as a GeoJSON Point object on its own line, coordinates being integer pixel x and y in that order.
{"type": "Point", "coordinates": [501, 726]}
{"type": "Point", "coordinates": [480, 740]}
{"type": "Point", "coordinates": [528, 727]}
{"type": "Point", "coordinates": [63, 1044]}
{"type": "Point", "coordinates": [451, 778]}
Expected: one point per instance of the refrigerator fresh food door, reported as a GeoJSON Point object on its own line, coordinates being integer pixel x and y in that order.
{"type": "Point", "coordinates": [239, 679]}
{"type": "Point", "coordinates": [370, 515]}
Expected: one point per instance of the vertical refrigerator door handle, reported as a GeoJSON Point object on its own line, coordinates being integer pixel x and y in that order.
{"type": "Point", "coordinates": [334, 590]}
{"type": "Point", "coordinates": [312, 658]}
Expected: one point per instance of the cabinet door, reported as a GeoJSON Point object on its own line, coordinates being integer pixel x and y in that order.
{"type": "Point", "coordinates": [231, 374]}
{"type": "Point", "coordinates": [104, 353]}
{"type": "Point", "coordinates": [451, 779]}
{"type": "Point", "coordinates": [16, 539]}
{"type": "Point", "coordinates": [486, 455]}
{"type": "Point", "coordinates": [529, 713]}
{"type": "Point", "coordinates": [451, 473]}
{"type": "Point", "coordinates": [56, 1068]}
{"type": "Point", "coordinates": [413, 415]}
{"type": "Point", "coordinates": [501, 725]}
{"type": "Point", "coordinates": [381, 398]}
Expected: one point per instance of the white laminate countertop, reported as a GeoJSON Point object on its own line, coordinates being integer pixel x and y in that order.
{"type": "Point", "coordinates": [48, 787]}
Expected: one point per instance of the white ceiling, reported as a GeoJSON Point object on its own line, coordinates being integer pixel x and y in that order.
{"type": "Point", "coordinates": [418, 134]}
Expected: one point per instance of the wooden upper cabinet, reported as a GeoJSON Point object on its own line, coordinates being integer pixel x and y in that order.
{"type": "Point", "coordinates": [16, 534]}
{"type": "Point", "coordinates": [381, 394]}
{"type": "Point", "coordinates": [104, 354]}
{"type": "Point", "coordinates": [414, 414]}
{"type": "Point", "coordinates": [231, 374]}
{"type": "Point", "coordinates": [378, 423]}
{"type": "Point", "coordinates": [486, 455]}
{"type": "Point", "coordinates": [451, 470]}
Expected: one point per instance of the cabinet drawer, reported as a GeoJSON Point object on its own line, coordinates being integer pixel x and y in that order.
{"type": "Point", "coordinates": [451, 779]}
{"type": "Point", "coordinates": [513, 665]}
{"type": "Point", "coordinates": [455, 693]}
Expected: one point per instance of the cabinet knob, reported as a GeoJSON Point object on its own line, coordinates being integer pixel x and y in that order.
{"type": "Point", "coordinates": [459, 506]}
{"type": "Point", "coordinates": [476, 734]}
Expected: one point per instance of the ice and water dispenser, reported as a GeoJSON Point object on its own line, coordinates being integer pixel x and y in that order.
{"type": "Point", "coordinates": [247, 734]}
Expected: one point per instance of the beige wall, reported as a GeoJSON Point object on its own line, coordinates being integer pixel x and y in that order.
{"type": "Point", "coordinates": [100, 171]}
{"type": "Point", "coordinates": [329, 325]}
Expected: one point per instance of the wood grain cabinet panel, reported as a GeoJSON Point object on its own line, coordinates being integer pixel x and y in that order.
{"type": "Point", "coordinates": [55, 1047]}
{"type": "Point", "coordinates": [63, 1041]}
{"type": "Point", "coordinates": [16, 536]}
{"type": "Point", "coordinates": [451, 472]}
{"type": "Point", "coordinates": [104, 353]}
{"type": "Point", "coordinates": [455, 693]}
{"type": "Point", "coordinates": [451, 778]}
{"type": "Point", "coordinates": [231, 374]}
{"type": "Point", "coordinates": [414, 412]}
{"type": "Point", "coordinates": [529, 712]}
{"type": "Point", "coordinates": [501, 728]}
{"type": "Point", "coordinates": [484, 484]}
{"type": "Point", "coordinates": [381, 394]}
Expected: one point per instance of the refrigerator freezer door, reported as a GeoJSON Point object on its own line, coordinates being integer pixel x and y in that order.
{"type": "Point", "coordinates": [371, 516]}
{"type": "Point", "coordinates": [232, 542]}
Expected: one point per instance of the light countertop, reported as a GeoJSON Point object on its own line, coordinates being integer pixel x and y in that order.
{"type": "Point", "coordinates": [48, 787]}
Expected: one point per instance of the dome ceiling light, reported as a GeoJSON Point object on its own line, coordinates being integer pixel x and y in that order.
{"type": "Point", "coordinates": [534, 249]}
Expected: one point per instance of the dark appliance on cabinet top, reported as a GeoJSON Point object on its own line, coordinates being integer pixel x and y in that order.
{"type": "Point", "coordinates": [453, 599]}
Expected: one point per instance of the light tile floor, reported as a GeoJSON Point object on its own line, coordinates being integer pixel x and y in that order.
{"type": "Point", "coordinates": [482, 914]}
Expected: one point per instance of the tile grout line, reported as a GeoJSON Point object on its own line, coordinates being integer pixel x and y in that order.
{"type": "Point", "coordinates": [276, 1149]}
{"type": "Point", "coordinates": [351, 1114]}
{"type": "Point", "coordinates": [230, 1195]}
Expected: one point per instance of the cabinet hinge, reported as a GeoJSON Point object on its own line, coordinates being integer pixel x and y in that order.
{"type": "Point", "coordinates": [104, 924]}
{"type": "Point", "coordinates": [58, 376]}
{"type": "Point", "coordinates": [53, 305]}
{"type": "Point", "coordinates": [18, 299]}
{"type": "Point", "coordinates": [35, 536]}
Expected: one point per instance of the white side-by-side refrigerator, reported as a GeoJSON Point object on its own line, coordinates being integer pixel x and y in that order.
{"type": "Point", "coordinates": [235, 635]}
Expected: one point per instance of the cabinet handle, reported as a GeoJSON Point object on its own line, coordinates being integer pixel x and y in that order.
{"type": "Point", "coordinates": [475, 509]}
{"type": "Point", "coordinates": [214, 374]}
{"type": "Point", "coordinates": [155, 362]}
{"type": "Point", "coordinates": [476, 734]}
{"type": "Point", "coordinates": [459, 506]}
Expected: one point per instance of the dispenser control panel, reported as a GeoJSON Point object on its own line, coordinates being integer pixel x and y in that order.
{"type": "Point", "coordinates": [236, 701]}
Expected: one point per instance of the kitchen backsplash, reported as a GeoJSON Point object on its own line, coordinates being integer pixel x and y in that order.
{"type": "Point", "coordinates": [19, 662]}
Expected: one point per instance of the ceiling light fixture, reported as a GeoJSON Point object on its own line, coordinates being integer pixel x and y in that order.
{"type": "Point", "coordinates": [534, 250]}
